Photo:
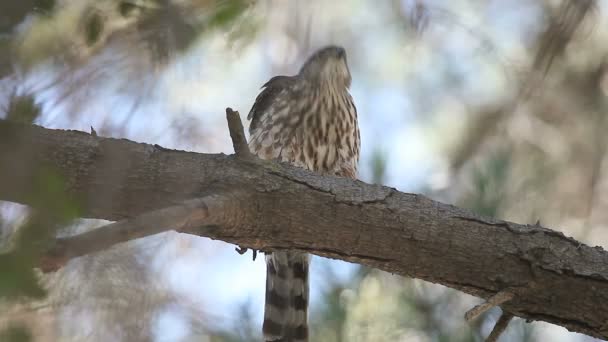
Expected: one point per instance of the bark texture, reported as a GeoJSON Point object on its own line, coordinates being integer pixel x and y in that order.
{"type": "Point", "coordinates": [553, 278]}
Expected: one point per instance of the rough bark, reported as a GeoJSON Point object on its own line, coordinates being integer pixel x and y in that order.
{"type": "Point", "coordinates": [553, 278]}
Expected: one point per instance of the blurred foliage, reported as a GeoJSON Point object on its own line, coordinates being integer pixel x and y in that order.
{"type": "Point", "coordinates": [378, 161]}
{"type": "Point", "coordinates": [15, 334]}
{"type": "Point", "coordinates": [228, 12]}
{"type": "Point", "coordinates": [93, 28]}
{"type": "Point", "coordinates": [12, 13]}
{"type": "Point", "coordinates": [75, 32]}
{"type": "Point", "coordinates": [18, 279]}
{"type": "Point", "coordinates": [51, 210]}
{"type": "Point", "coordinates": [489, 181]}
{"type": "Point", "coordinates": [22, 109]}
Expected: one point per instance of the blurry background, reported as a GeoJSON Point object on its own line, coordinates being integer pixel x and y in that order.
{"type": "Point", "coordinates": [495, 105]}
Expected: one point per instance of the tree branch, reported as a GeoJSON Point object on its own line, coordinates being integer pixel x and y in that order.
{"type": "Point", "coordinates": [495, 300]}
{"type": "Point", "coordinates": [214, 210]}
{"type": "Point", "coordinates": [267, 206]}
{"type": "Point", "coordinates": [500, 327]}
{"type": "Point", "coordinates": [237, 133]}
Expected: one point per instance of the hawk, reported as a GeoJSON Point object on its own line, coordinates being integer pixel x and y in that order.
{"type": "Point", "coordinates": [308, 120]}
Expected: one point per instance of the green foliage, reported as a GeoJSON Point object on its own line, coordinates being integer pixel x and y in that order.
{"type": "Point", "coordinates": [51, 199]}
{"type": "Point", "coordinates": [378, 165]}
{"type": "Point", "coordinates": [489, 181]}
{"type": "Point", "coordinates": [15, 333]}
{"type": "Point", "coordinates": [5, 47]}
{"type": "Point", "coordinates": [125, 8]}
{"type": "Point", "coordinates": [44, 6]}
{"type": "Point", "coordinates": [17, 278]}
{"type": "Point", "coordinates": [12, 13]}
{"type": "Point", "coordinates": [227, 12]}
{"type": "Point", "coordinates": [93, 28]}
{"type": "Point", "coordinates": [52, 210]}
{"type": "Point", "coordinates": [23, 109]}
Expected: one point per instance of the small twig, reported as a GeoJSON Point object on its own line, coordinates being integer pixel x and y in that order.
{"type": "Point", "coordinates": [237, 134]}
{"type": "Point", "coordinates": [496, 300]}
{"type": "Point", "coordinates": [500, 327]}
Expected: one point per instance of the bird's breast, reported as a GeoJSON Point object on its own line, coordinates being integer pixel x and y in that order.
{"type": "Point", "coordinates": [326, 136]}
{"type": "Point", "coordinates": [318, 133]}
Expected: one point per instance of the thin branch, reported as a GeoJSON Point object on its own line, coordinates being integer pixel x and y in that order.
{"type": "Point", "coordinates": [500, 327]}
{"type": "Point", "coordinates": [190, 214]}
{"type": "Point", "coordinates": [560, 32]}
{"type": "Point", "coordinates": [496, 300]}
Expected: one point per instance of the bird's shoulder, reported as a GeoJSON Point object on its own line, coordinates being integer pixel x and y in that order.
{"type": "Point", "coordinates": [269, 94]}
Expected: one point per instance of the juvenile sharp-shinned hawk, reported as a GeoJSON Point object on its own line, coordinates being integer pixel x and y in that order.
{"type": "Point", "coordinates": [308, 120]}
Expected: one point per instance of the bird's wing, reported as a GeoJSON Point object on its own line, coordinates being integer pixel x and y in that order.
{"type": "Point", "coordinates": [266, 97]}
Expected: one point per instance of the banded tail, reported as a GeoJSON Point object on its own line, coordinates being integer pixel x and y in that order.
{"type": "Point", "coordinates": [286, 305]}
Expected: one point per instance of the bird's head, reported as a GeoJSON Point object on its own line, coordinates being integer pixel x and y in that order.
{"type": "Point", "coordinates": [328, 65]}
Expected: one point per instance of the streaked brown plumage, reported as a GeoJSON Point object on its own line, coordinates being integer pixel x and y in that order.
{"type": "Point", "coordinates": [310, 121]}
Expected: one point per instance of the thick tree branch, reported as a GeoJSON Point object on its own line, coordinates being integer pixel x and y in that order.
{"type": "Point", "coordinates": [280, 206]}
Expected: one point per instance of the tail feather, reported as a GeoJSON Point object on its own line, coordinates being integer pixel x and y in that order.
{"type": "Point", "coordinates": [286, 307]}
